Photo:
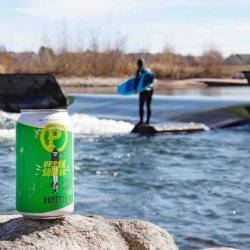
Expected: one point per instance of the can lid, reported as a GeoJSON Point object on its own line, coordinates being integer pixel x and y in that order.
{"type": "Point", "coordinates": [43, 110]}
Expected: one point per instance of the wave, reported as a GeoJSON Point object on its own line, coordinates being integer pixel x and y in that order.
{"type": "Point", "coordinates": [82, 124]}
{"type": "Point", "coordinates": [7, 125]}
{"type": "Point", "coordinates": [7, 134]}
{"type": "Point", "coordinates": [86, 124]}
{"type": "Point", "coordinates": [8, 120]}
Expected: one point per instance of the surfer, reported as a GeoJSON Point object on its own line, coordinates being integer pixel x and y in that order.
{"type": "Point", "coordinates": [146, 95]}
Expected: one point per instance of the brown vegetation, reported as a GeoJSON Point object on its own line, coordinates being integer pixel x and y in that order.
{"type": "Point", "coordinates": [112, 61]}
{"type": "Point", "coordinates": [5, 62]}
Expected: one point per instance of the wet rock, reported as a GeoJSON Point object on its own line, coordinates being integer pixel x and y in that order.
{"type": "Point", "coordinates": [81, 232]}
{"type": "Point", "coordinates": [145, 129]}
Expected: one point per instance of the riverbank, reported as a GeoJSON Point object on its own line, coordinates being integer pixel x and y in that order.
{"type": "Point", "coordinates": [101, 85]}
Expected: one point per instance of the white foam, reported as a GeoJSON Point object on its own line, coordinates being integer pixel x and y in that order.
{"type": "Point", "coordinates": [8, 120]}
{"type": "Point", "coordinates": [85, 124]}
{"type": "Point", "coordinates": [7, 125]}
{"type": "Point", "coordinates": [82, 124]}
{"type": "Point", "coordinates": [7, 134]}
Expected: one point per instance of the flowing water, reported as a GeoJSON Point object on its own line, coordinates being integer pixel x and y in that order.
{"type": "Point", "coordinates": [196, 186]}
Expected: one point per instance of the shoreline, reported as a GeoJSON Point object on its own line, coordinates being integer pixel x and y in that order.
{"type": "Point", "coordinates": [107, 85]}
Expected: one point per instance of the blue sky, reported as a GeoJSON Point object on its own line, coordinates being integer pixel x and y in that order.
{"type": "Point", "coordinates": [187, 26]}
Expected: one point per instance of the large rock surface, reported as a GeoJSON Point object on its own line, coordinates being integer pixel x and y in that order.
{"type": "Point", "coordinates": [221, 248]}
{"type": "Point", "coordinates": [80, 232]}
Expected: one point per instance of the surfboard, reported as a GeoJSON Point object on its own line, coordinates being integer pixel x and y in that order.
{"type": "Point", "coordinates": [128, 87]}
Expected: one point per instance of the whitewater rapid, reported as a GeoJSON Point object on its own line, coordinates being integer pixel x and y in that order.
{"type": "Point", "coordinates": [82, 124]}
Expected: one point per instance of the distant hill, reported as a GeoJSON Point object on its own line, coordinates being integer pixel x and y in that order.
{"type": "Point", "coordinates": [238, 59]}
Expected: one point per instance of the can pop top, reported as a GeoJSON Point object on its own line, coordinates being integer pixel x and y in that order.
{"type": "Point", "coordinates": [44, 164]}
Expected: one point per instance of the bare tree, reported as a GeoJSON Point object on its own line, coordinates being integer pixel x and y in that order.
{"type": "Point", "coordinates": [63, 38]}
{"type": "Point", "coordinates": [80, 41]}
{"type": "Point", "coordinates": [3, 48]}
{"type": "Point", "coordinates": [212, 63]}
{"type": "Point", "coordinates": [94, 45]}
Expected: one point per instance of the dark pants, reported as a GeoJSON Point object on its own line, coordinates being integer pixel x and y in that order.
{"type": "Point", "coordinates": [145, 96]}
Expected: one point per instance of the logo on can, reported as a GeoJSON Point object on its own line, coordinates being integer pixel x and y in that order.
{"type": "Point", "coordinates": [55, 167]}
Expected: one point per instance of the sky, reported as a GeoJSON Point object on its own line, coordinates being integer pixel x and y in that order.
{"type": "Point", "coordinates": [185, 26]}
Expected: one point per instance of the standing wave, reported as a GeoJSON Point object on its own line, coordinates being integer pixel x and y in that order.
{"type": "Point", "coordinates": [82, 124]}
{"type": "Point", "coordinates": [85, 124]}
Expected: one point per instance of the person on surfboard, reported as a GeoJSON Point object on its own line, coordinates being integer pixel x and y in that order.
{"type": "Point", "coordinates": [146, 95]}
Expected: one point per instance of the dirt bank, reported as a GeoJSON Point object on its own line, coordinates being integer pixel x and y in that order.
{"type": "Point", "coordinates": [98, 85]}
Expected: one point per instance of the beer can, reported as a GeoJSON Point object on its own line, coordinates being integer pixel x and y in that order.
{"type": "Point", "coordinates": [44, 164]}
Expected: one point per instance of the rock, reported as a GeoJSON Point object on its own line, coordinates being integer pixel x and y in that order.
{"type": "Point", "coordinates": [145, 129]}
{"type": "Point", "coordinates": [81, 232]}
{"type": "Point", "coordinates": [220, 248]}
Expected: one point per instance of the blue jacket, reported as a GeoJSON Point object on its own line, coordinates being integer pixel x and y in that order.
{"type": "Point", "coordinates": [140, 71]}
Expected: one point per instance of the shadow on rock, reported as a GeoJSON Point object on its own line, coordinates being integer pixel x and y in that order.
{"type": "Point", "coordinates": [17, 227]}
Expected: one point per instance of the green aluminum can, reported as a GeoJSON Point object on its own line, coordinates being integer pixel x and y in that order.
{"type": "Point", "coordinates": [44, 164]}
